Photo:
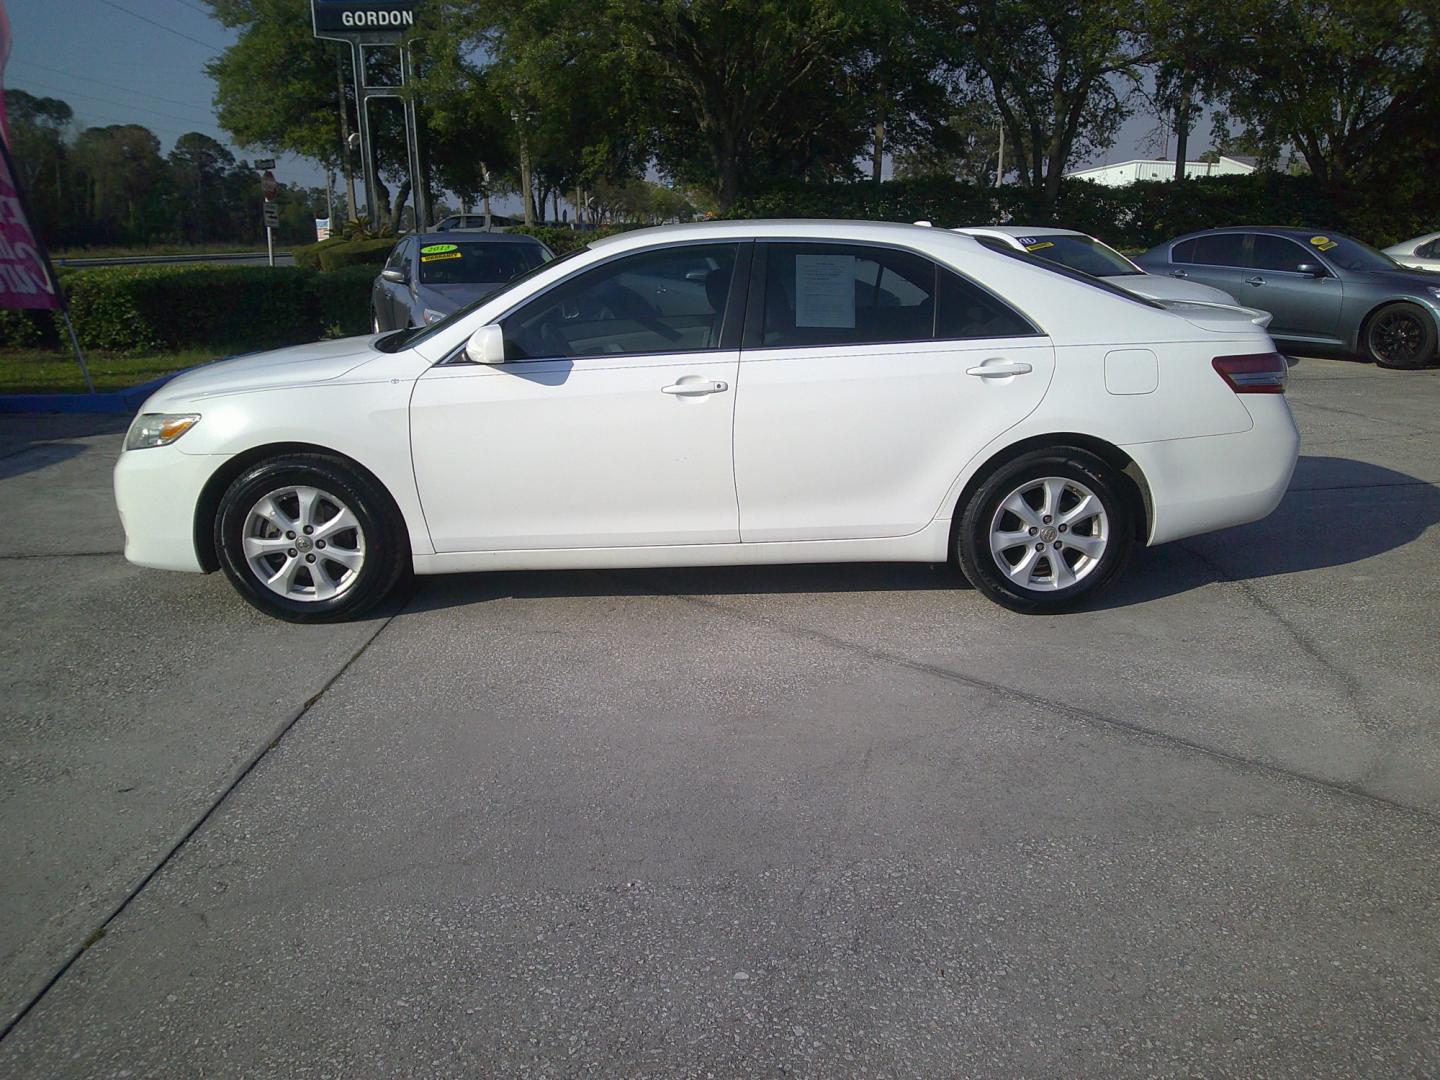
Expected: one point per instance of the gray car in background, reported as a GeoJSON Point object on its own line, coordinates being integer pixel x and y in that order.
{"type": "Point", "coordinates": [1326, 291]}
{"type": "Point", "coordinates": [1418, 253]}
{"type": "Point", "coordinates": [430, 275]}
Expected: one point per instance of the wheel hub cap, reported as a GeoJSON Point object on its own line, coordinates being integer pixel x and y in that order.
{"type": "Point", "coordinates": [1049, 533]}
{"type": "Point", "coordinates": [303, 543]}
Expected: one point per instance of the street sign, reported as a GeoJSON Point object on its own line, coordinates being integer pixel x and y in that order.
{"type": "Point", "coordinates": [269, 186]}
{"type": "Point", "coordinates": [272, 215]}
{"type": "Point", "coordinates": [376, 19]}
{"type": "Point", "coordinates": [265, 163]}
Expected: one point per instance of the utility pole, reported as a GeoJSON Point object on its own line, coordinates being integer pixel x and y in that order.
{"type": "Point", "coordinates": [1000, 162]}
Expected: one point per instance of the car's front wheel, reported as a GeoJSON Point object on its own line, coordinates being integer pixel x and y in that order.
{"type": "Point", "coordinates": [309, 538]}
{"type": "Point", "coordinates": [1046, 530]}
{"type": "Point", "coordinates": [1400, 336]}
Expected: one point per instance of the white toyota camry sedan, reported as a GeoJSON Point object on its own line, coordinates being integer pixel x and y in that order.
{"type": "Point", "coordinates": [722, 393]}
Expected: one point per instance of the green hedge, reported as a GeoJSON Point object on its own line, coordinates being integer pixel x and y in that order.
{"type": "Point", "coordinates": [138, 310]}
{"type": "Point", "coordinates": [357, 253]}
{"type": "Point", "coordinates": [562, 241]}
{"type": "Point", "coordinates": [1138, 216]}
{"type": "Point", "coordinates": [308, 255]}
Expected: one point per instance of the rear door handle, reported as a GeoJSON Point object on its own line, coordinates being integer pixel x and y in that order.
{"type": "Point", "coordinates": [694, 389]}
{"type": "Point", "coordinates": [1256, 280]}
{"type": "Point", "coordinates": [1001, 370]}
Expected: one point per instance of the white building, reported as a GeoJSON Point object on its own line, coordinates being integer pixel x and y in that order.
{"type": "Point", "coordinates": [1128, 172]}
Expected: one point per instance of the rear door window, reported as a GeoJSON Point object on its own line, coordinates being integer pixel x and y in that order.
{"type": "Point", "coordinates": [843, 294]}
{"type": "Point", "coordinates": [1220, 249]}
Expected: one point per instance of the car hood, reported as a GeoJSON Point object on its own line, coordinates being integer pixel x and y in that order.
{"type": "Point", "coordinates": [281, 367]}
{"type": "Point", "coordinates": [448, 298]}
{"type": "Point", "coordinates": [1165, 287]}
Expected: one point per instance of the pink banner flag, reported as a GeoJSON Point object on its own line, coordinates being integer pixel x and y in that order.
{"type": "Point", "coordinates": [26, 280]}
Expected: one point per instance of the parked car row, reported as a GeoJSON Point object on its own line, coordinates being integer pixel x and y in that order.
{"type": "Point", "coordinates": [1312, 290]}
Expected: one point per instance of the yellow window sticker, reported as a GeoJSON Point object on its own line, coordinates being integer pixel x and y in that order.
{"type": "Point", "coordinates": [442, 256]}
{"type": "Point", "coordinates": [1039, 246]}
{"type": "Point", "coordinates": [438, 249]}
{"type": "Point", "coordinates": [1324, 243]}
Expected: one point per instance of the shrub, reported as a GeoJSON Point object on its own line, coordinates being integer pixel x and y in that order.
{"type": "Point", "coordinates": [357, 253]}
{"type": "Point", "coordinates": [308, 255]}
{"type": "Point", "coordinates": [26, 329]}
{"type": "Point", "coordinates": [341, 301]}
{"type": "Point", "coordinates": [561, 240]}
{"type": "Point", "coordinates": [139, 310]}
{"type": "Point", "coordinates": [1138, 216]}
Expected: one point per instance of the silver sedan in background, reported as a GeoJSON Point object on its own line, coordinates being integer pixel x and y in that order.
{"type": "Point", "coordinates": [431, 275]}
{"type": "Point", "coordinates": [1418, 253]}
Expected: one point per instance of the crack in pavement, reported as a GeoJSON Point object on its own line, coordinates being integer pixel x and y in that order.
{"type": "Point", "coordinates": [236, 778]}
{"type": "Point", "coordinates": [1085, 716]}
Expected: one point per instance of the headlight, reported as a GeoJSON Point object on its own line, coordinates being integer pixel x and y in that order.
{"type": "Point", "coordinates": [159, 429]}
{"type": "Point", "coordinates": [433, 316]}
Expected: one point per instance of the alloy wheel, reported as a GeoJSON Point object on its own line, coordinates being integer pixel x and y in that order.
{"type": "Point", "coordinates": [303, 543]}
{"type": "Point", "coordinates": [1049, 533]}
{"type": "Point", "coordinates": [1397, 337]}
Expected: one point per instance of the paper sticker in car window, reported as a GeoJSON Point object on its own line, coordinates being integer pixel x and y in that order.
{"type": "Point", "coordinates": [438, 249]}
{"type": "Point", "coordinates": [441, 256]}
{"type": "Point", "coordinates": [1038, 247]}
{"type": "Point", "coordinates": [1324, 243]}
{"type": "Point", "coordinates": [1025, 241]}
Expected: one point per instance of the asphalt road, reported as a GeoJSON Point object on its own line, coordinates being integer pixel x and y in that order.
{"type": "Point", "coordinates": [816, 821]}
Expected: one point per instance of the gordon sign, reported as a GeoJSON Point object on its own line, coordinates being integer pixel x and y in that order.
{"type": "Point", "coordinates": [344, 17]}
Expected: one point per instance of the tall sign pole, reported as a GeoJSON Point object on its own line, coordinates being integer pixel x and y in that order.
{"type": "Point", "coordinates": [27, 280]}
{"type": "Point", "coordinates": [366, 24]}
{"type": "Point", "coordinates": [270, 188]}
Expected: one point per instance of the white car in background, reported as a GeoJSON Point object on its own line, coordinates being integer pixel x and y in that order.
{"type": "Point", "coordinates": [723, 393]}
{"type": "Point", "coordinates": [1082, 252]}
{"type": "Point", "coordinates": [1419, 253]}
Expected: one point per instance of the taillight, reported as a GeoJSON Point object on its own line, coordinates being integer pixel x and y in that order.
{"type": "Point", "coordinates": [1255, 373]}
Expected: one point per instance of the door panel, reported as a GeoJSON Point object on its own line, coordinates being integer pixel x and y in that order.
{"type": "Point", "coordinates": [1301, 305]}
{"type": "Point", "coordinates": [585, 452]}
{"type": "Point", "coordinates": [864, 441]}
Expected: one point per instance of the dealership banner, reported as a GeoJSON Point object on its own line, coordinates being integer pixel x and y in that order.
{"type": "Point", "coordinates": [25, 277]}
{"type": "Point", "coordinates": [4, 57]}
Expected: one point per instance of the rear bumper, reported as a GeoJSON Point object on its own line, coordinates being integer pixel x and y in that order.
{"type": "Point", "coordinates": [1214, 482]}
{"type": "Point", "coordinates": [156, 491]}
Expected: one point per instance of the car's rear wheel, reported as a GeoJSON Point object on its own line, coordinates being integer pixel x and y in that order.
{"type": "Point", "coordinates": [1400, 335]}
{"type": "Point", "coordinates": [309, 538]}
{"type": "Point", "coordinates": [1047, 530]}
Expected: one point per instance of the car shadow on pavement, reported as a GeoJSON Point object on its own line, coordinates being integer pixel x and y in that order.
{"type": "Point", "coordinates": [1348, 511]}
{"type": "Point", "coordinates": [29, 443]}
{"type": "Point", "coordinates": [1337, 511]}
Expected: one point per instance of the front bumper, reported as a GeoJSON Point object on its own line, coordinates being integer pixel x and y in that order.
{"type": "Point", "coordinates": [1214, 482]}
{"type": "Point", "coordinates": [156, 492]}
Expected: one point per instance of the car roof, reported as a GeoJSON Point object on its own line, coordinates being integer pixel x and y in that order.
{"type": "Point", "coordinates": [891, 232]}
{"type": "Point", "coordinates": [471, 238]}
{"type": "Point", "coordinates": [1017, 231]}
{"type": "Point", "coordinates": [1301, 232]}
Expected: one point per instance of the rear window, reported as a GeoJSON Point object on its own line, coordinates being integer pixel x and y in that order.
{"type": "Point", "coordinates": [1219, 249]}
{"type": "Point", "coordinates": [1083, 253]}
{"type": "Point", "coordinates": [468, 262]}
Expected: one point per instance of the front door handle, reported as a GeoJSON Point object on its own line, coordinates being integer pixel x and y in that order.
{"type": "Point", "coordinates": [1179, 273]}
{"type": "Point", "coordinates": [1000, 370]}
{"type": "Point", "coordinates": [1256, 280]}
{"type": "Point", "coordinates": [695, 389]}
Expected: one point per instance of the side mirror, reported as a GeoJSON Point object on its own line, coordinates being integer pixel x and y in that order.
{"type": "Point", "coordinates": [397, 276]}
{"type": "Point", "coordinates": [1313, 269]}
{"type": "Point", "coordinates": [486, 346]}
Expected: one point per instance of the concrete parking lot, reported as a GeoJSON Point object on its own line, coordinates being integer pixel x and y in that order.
{"type": "Point", "coordinates": [815, 821]}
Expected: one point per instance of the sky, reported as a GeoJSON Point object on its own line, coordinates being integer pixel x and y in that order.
{"type": "Point", "coordinates": [143, 61]}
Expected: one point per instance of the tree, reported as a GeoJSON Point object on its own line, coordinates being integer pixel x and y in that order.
{"type": "Point", "coordinates": [744, 88]}
{"type": "Point", "coordinates": [1349, 83]}
{"type": "Point", "coordinates": [122, 182]}
{"type": "Point", "coordinates": [1059, 73]}
{"type": "Point", "coordinates": [199, 165]}
{"type": "Point", "coordinates": [965, 146]}
{"type": "Point", "coordinates": [37, 143]}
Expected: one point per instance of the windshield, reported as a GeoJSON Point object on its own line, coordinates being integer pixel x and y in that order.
{"type": "Point", "coordinates": [406, 338]}
{"type": "Point", "coordinates": [467, 262]}
{"type": "Point", "coordinates": [1351, 254]}
{"type": "Point", "coordinates": [1083, 253]}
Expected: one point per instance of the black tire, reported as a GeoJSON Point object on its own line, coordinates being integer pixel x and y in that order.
{"type": "Point", "coordinates": [378, 534]}
{"type": "Point", "coordinates": [1112, 540]}
{"type": "Point", "coordinates": [1400, 335]}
